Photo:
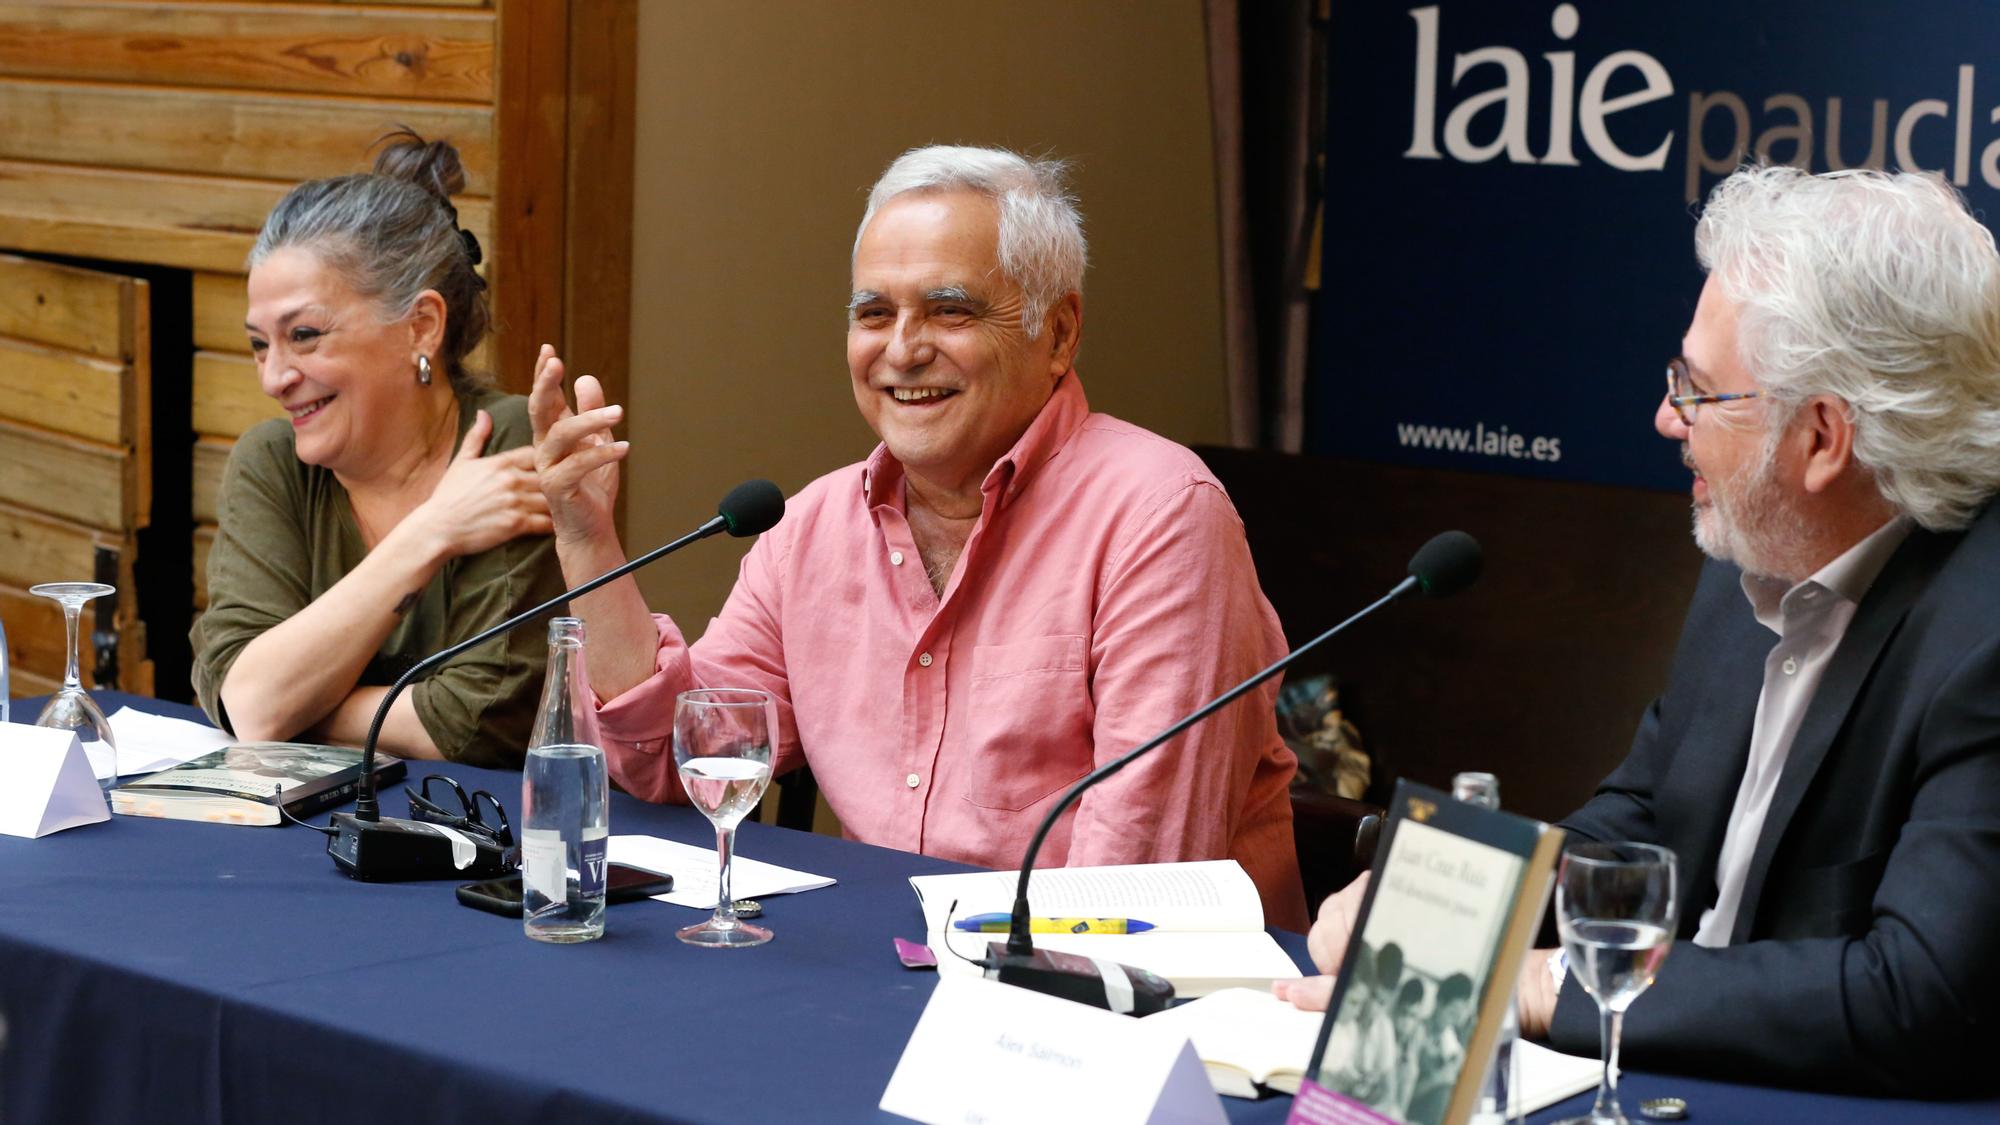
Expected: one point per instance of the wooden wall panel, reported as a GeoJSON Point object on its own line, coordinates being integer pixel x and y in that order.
{"type": "Point", "coordinates": [409, 53]}
{"type": "Point", "coordinates": [37, 548]}
{"type": "Point", "coordinates": [198, 222]}
{"type": "Point", "coordinates": [75, 444]}
{"type": "Point", "coordinates": [37, 641]}
{"type": "Point", "coordinates": [35, 636]}
{"type": "Point", "coordinates": [271, 137]}
{"type": "Point", "coordinates": [210, 455]}
{"type": "Point", "coordinates": [85, 481]}
{"type": "Point", "coordinates": [597, 285]}
{"type": "Point", "coordinates": [219, 307]}
{"type": "Point", "coordinates": [27, 682]}
{"type": "Point", "coordinates": [65, 391]}
{"type": "Point", "coordinates": [227, 397]}
{"type": "Point", "coordinates": [527, 268]}
{"type": "Point", "coordinates": [62, 306]}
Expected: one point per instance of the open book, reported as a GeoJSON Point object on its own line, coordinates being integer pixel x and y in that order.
{"type": "Point", "coordinates": [1209, 921]}
{"type": "Point", "coordinates": [1250, 1039]}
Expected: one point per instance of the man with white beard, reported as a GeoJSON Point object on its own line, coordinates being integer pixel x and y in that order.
{"type": "Point", "coordinates": [1825, 760]}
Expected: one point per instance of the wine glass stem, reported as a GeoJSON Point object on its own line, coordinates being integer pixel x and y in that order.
{"type": "Point", "coordinates": [725, 903]}
{"type": "Point", "coordinates": [1611, 1024]}
{"type": "Point", "coordinates": [72, 614]}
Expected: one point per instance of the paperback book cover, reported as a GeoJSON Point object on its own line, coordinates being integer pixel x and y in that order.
{"type": "Point", "coordinates": [245, 783]}
{"type": "Point", "coordinates": [1456, 895]}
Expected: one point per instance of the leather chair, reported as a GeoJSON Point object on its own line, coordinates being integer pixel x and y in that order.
{"type": "Point", "coordinates": [1336, 841]}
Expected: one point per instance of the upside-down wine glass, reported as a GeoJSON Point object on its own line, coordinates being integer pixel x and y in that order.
{"type": "Point", "coordinates": [72, 709]}
{"type": "Point", "coordinates": [722, 745]}
{"type": "Point", "coordinates": [1615, 907]}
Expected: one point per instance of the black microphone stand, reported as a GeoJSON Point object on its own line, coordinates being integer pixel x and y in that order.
{"type": "Point", "coordinates": [365, 807]}
{"type": "Point", "coordinates": [1019, 944]}
{"type": "Point", "coordinates": [374, 848]}
{"type": "Point", "coordinates": [1446, 564]}
{"type": "Point", "coordinates": [368, 846]}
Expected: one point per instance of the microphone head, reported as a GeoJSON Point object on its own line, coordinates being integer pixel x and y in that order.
{"type": "Point", "coordinates": [1447, 564]}
{"type": "Point", "coordinates": [754, 507]}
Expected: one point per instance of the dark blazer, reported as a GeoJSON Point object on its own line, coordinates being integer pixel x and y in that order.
{"type": "Point", "coordinates": [1866, 956]}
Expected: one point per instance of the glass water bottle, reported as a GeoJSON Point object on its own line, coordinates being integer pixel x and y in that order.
{"type": "Point", "coordinates": [1483, 790]}
{"type": "Point", "coordinates": [565, 802]}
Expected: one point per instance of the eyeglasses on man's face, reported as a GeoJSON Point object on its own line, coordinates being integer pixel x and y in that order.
{"type": "Point", "coordinates": [1686, 398]}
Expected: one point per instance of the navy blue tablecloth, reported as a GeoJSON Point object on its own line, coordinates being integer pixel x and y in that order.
{"type": "Point", "coordinates": [160, 971]}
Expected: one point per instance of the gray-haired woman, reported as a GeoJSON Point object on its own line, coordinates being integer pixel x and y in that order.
{"type": "Point", "coordinates": [395, 511]}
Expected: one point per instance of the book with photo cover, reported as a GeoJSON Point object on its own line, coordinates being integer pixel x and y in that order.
{"type": "Point", "coordinates": [1455, 897]}
{"type": "Point", "coordinates": [244, 783]}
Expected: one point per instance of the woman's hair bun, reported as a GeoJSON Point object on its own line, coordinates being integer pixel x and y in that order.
{"type": "Point", "coordinates": [431, 165]}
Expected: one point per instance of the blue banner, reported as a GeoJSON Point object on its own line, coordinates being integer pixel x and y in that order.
{"type": "Point", "coordinates": [1510, 197]}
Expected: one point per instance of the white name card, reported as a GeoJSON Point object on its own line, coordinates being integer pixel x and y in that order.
{"type": "Point", "coordinates": [46, 783]}
{"type": "Point", "coordinates": [987, 1053]}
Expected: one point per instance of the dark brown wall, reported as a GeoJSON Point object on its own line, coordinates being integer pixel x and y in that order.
{"type": "Point", "coordinates": [1537, 673]}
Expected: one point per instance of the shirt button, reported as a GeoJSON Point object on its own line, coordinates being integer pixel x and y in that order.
{"type": "Point", "coordinates": [1791, 666]}
{"type": "Point", "coordinates": [923, 659]}
{"type": "Point", "coordinates": [913, 781]}
{"type": "Point", "coordinates": [895, 558]}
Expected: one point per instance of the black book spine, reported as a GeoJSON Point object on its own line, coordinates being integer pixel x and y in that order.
{"type": "Point", "coordinates": [309, 800]}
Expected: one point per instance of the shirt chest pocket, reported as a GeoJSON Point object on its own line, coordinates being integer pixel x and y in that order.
{"type": "Point", "coordinates": [1029, 726]}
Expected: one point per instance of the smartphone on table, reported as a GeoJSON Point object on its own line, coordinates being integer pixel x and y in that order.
{"type": "Point", "coordinates": [621, 884]}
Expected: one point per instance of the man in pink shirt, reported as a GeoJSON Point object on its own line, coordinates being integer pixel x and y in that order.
{"type": "Point", "coordinates": [1010, 591]}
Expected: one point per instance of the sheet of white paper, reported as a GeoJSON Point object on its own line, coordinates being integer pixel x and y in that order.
{"type": "Point", "coordinates": [696, 876]}
{"type": "Point", "coordinates": [1548, 1076]}
{"type": "Point", "coordinates": [148, 743]}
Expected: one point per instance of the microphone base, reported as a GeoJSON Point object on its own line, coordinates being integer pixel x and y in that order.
{"type": "Point", "coordinates": [394, 850]}
{"type": "Point", "coordinates": [1086, 980]}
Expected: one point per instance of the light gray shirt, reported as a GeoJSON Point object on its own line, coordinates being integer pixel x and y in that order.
{"type": "Point", "coordinates": [1810, 618]}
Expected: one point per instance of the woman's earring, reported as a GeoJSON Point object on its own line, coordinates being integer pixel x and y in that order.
{"type": "Point", "coordinates": [424, 370]}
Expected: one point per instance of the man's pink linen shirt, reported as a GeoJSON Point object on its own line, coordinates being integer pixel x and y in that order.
{"type": "Point", "coordinates": [1105, 592]}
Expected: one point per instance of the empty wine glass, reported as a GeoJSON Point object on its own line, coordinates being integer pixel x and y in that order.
{"type": "Point", "coordinates": [722, 744]}
{"type": "Point", "coordinates": [1615, 907]}
{"type": "Point", "coordinates": [72, 709]}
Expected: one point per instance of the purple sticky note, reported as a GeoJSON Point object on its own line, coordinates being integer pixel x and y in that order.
{"type": "Point", "coordinates": [914, 956]}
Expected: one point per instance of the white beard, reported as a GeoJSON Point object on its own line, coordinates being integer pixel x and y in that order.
{"type": "Point", "coordinates": [1753, 523]}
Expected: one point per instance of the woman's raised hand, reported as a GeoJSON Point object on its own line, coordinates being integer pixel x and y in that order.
{"type": "Point", "coordinates": [482, 502]}
{"type": "Point", "coordinates": [576, 458]}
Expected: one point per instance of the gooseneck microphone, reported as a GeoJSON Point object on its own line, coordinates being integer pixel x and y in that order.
{"type": "Point", "coordinates": [374, 848]}
{"type": "Point", "coordinates": [1449, 563]}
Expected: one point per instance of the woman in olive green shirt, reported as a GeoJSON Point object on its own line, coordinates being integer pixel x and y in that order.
{"type": "Point", "coordinates": [395, 511]}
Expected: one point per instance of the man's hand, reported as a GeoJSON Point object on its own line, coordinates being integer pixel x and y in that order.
{"type": "Point", "coordinates": [482, 502]}
{"type": "Point", "coordinates": [1535, 995]}
{"type": "Point", "coordinates": [1327, 944]}
{"type": "Point", "coordinates": [576, 458]}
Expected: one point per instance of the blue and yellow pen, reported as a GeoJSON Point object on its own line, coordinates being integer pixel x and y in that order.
{"type": "Point", "coordinates": [1000, 923]}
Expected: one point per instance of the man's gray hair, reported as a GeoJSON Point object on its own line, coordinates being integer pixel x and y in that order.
{"type": "Point", "coordinates": [1041, 231]}
{"type": "Point", "coordinates": [1883, 291]}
